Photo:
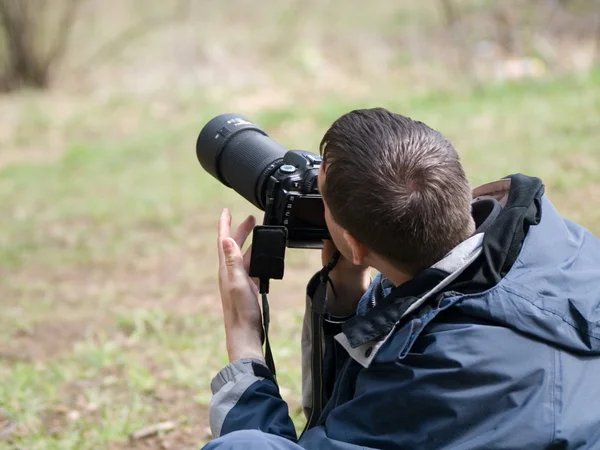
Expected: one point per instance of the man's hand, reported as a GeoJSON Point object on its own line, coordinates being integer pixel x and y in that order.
{"type": "Point", "coordinates": [350, 282]}
{"type": "Point", "coordinates": [239, 293]}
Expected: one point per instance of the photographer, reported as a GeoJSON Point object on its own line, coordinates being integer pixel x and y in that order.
{"type": "Point", "coordinates": [481, 331]}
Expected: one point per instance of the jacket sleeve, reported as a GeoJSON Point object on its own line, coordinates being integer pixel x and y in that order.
{"type": "Point", "coordinates": [246, 397]}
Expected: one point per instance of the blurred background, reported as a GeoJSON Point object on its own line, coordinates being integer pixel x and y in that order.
{"type": "Point", "coordinates": [110, 320]}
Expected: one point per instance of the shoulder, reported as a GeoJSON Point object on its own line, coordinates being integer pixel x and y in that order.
{"type": "Point", "coordinates": [450, 337]}
{"type": "Point", "coordinates": [469, 383]}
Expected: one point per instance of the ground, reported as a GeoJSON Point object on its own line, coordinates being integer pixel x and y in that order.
{"type": "Point", "coordinates": [111, 320]}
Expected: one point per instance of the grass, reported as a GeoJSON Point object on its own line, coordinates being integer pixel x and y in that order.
{"type": "Point", "coordinates": [110, 311]}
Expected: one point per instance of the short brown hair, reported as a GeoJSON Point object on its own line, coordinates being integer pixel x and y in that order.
{"type": "Point", "coordinates": [397, 186]}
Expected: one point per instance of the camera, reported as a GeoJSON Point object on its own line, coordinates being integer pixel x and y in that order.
{"type": "Point", "coordinates": [280, 182]}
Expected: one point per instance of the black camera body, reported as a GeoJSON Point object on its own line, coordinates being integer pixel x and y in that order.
{"type": "Point", "coordinates": [293, 200]}
{"type": "Point", "coordinates": [281, 182]}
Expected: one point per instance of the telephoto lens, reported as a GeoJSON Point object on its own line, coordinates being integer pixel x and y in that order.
{"type": "Point", "coordinates": [240, 155]}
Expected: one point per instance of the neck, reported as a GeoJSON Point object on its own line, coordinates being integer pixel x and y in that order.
{"type": "Point", "coordinates": [396, 276]}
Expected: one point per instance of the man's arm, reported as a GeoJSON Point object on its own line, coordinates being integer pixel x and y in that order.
{"type": "Point", "coordinates": [245, 394]}
{"type": "Point", "coordinates": [246, 397]}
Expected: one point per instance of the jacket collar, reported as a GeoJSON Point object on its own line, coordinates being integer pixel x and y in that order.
{"type": "Point", "coordinates": [363, 336]}
{"type": "Point", "coordinates": [499, 202]}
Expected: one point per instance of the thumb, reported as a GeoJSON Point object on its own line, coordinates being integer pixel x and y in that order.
{"type": "Point", "coordinates": [232, 253]}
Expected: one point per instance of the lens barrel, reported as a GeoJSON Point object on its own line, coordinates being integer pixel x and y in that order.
{"type": "Point", "coordinates": [240, 155]}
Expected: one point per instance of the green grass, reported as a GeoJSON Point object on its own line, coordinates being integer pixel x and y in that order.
{"type": "Point", "coordinates": [114, 242]}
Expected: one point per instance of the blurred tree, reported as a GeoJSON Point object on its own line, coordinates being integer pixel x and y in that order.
{"type": "Point", "coordinates": [31, 52]}
{"type": "Point", "coordinates": [597, 32]}
{"type": "Point", "coordinates": [34, 38]}
{"type": "Point", "coordinates": [505, 20]}
{"type": "Point", "coordinates": [143, 25]}
{"type": "Point", "coordinates": [453, 18]}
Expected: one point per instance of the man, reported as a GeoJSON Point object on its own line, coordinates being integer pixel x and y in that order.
{"type": "Point", "coordinates": [482, 330]}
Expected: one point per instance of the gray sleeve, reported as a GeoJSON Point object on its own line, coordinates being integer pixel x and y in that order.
{"type": "Point", "coordinates": [227, 388]}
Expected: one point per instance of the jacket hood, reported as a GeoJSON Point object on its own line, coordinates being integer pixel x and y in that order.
{"type": "Point", "coordinates": [539, 273]}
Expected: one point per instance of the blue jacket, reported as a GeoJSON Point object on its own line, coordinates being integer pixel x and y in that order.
{"type": "Point", "coordinates": [495, 347]}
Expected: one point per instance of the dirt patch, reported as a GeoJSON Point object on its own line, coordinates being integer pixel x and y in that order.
{"type": "Point", "coordinates": [168, 404]}
{"type": "Point", "coordinates": [7, 426]}
{"type": "Point", "coordinates": [32, 127]}
{"type": "Point", "coordinates": [28, 156]}
{"type": "Point", "coordinates": [181, 281]}
{"type": "Point", "coordinates": [49, 339]}
{"type": "Point", "coordinates": [190, 420]}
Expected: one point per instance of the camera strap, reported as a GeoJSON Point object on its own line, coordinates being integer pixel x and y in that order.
{"type": "Point", "coordinates": [318, 311]}
{"type": "Point", "coordinates": [266, 319]}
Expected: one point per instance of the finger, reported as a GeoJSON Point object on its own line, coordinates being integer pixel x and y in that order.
{"type": "Point", "coordinates": [233, 260]}
{"type": "Point", "coordinates": [244, 230]}
{"type": "Point", "coordinates": [247, 257]}
{"type": "Point", "coordinates": [225, 224]}
{"type": "Point", "coordinates": [232, 276]}
{"type": "Point", "coordinates": [329, 245]}
{"type": "Point", "coordinates": [223, 232]}
{"type": "Point", "coordinates": [254, 284]}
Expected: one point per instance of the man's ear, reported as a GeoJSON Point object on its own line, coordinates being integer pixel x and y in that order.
{"type": "Point", "coordinates": [358, 249]}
